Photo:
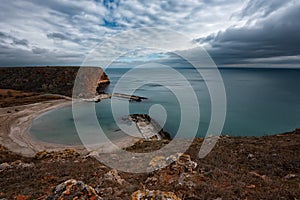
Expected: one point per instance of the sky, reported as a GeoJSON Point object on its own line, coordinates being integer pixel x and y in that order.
{"type": "Point", "coordinates": [235, 33]}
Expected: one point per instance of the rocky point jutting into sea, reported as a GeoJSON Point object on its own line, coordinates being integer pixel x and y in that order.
{"type": "Point", "coordinates": [22, 91]}
{"type": "Point", "coordinates": [237, 168]}
{"type": "Point", "coordinates": [53, 80]}
{"type": "Point", "coordinates": [58, 82]}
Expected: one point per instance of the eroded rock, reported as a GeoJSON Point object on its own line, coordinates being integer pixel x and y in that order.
{"type": "Point", "coordinates": [153, 194]}
{"type": "Point", "coordinates": [185, 179]}
{"type": "Point", "coordinates": [16, 164]}
{"type": "Point", "coordinates": [290, 176]}
{"type": "Point", "coordinates": [113, 176]}
{"type": "Point", "coordinates": [57, 155]}
{"type": "Point", "coordinates": [181, 162]}
{"type": "Point", "coordinates": [4, 166]}
{"type": "Point", "coordinates": [73, 189]}
{"type": "Point", "coordinates": [263, 177]}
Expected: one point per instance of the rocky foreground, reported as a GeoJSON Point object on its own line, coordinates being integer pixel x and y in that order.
{"type": "Point", "coordinates": [237, 168]}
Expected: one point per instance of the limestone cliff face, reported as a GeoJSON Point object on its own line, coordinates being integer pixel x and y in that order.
{"type": "Point", "coordinates": [102, 82]}
{"type": "Point", "coordinates": [58, 80]}
{"type": "Point", "coordinates": [89, 81]}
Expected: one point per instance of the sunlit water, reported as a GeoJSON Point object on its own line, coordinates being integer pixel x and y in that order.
{"type": "Point", "coordinates": [259, 102]}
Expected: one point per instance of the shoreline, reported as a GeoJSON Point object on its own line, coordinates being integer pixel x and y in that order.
{"type": "Point", "coordinates": [17, 120]}
{"type": "Point", "coordinates": [266, 166]}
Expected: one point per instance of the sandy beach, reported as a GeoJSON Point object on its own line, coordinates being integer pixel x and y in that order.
{"type": "Point", "coordinates": [266, 166]}
{"type": "Point", "coordinates": [16, 121]}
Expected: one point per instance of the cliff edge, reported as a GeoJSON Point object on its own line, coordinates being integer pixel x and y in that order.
{"type": "Point", "coordinates": [54, 80]}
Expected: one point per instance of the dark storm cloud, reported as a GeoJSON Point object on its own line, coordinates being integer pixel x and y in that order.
{"type": "Point", "coordinates": [276, 36]}
{"type": "Point", "coordinates": [63, 29]}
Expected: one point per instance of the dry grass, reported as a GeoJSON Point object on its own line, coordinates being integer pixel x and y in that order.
{"type": "Point", "coordinates": [9, 97]}
{"type": "Point", "coordinates": [237, 168]}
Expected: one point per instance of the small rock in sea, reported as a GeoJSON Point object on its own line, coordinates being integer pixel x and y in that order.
{"type": "Point", "coordinates": [73, 189]}
{"type": "Point", "coordinates": [153, 194]}
{"type": "Point", "coordinates": [290, 176]}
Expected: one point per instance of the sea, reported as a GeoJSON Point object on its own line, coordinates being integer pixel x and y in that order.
{"type": "Point", "coordinates": [258, 101]}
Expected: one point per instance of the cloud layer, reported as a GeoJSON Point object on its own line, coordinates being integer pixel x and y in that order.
{"type": "Point", "coordinates": [270, 39]}
{"type": "Point", "coordinates": [235, 32]}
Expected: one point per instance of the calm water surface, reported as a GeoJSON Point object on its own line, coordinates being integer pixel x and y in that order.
{"type": "Point", "coordinates": [259, 102]}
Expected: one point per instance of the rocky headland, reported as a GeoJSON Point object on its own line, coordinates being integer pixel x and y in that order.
{"type": "Point", "coordinates": [237, 168]}
{"type": "Point", "coordinates": [52, 80]}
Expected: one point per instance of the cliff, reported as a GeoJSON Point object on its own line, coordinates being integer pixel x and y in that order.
{"type": "Point", "coordinates": [56, 80]}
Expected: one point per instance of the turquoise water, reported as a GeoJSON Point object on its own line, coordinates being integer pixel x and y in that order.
{"type": "Point", "coordinates": [259, 102]}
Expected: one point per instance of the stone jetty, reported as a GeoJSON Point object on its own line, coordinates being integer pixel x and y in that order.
{"type": "Point", "coordinates": [100, 97]}
{"type": "Point", "coordinates": [148, 127]}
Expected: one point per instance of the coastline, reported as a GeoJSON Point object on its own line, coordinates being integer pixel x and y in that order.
{"type": "Point", "coordinates": [17, 120]}
{"type": "Point", "coordinates": [266, 167]}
